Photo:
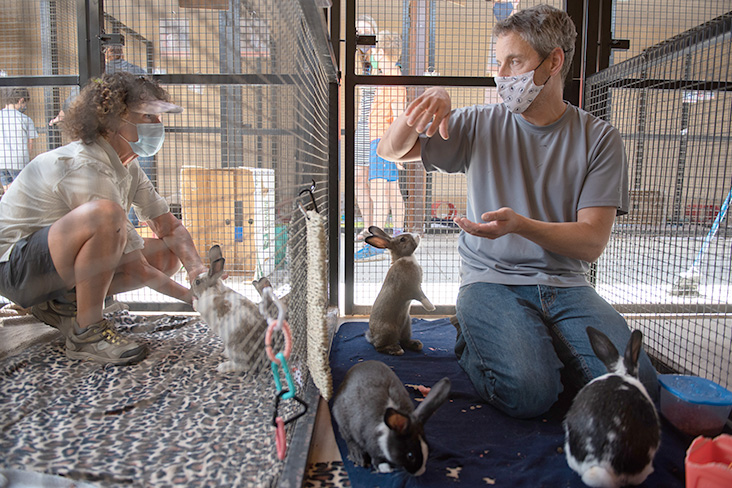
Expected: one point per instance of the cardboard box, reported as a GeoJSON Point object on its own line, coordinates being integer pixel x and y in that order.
{"type": "Point", "coordinates": [234, 208]}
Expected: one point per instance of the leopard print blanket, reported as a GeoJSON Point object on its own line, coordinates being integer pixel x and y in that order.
{"type": "Point", "coordinates": [328, 474]}
{"type": "Point", "coordinates": [170, 420]}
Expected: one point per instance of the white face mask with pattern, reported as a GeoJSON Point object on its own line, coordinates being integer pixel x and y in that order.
{"type": "Point", "coordinates": [519, 91]}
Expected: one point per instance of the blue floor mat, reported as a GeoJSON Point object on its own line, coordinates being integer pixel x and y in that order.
{"type": "Point", "coordinates": [472, 443]}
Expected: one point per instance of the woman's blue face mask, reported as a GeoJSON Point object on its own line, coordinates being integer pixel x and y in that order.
{"type": "Point", "coordinates": [150, 138]}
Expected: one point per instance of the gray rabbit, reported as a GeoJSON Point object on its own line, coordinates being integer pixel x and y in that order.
{"type": "Point", "coordinates": [390, 326]}
{"type": "Point", "coordinates": [377, 419]}
{"type": "Point", "coordinates": [232, 316]}
{"type": "Point", "coordinates": [612, 431]}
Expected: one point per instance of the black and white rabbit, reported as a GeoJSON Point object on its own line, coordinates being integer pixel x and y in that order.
{"type": "Point", "coordinates": [612, 431]}
{"type": "Point", "coordinates": [390, 326]}
{"type": "Point", "coordinates": [378, 421]}
{"type": "Point", "coordinates": [230, 315]}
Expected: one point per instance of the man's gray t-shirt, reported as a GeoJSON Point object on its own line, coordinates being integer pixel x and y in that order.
{"type": "Point", "coordinates": [546, 173]}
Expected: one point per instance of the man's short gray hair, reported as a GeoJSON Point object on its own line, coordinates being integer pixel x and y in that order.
{"type": "Point", "coordinates": [545, 28]}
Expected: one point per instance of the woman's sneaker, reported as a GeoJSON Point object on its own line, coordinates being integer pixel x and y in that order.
{"type": "Point", "coordinates": [57, 314]}
{"type": "Point", "coordinates": [102, 343]}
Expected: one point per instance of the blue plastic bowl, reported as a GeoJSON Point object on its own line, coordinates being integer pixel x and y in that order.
{"type": "Point", "coordinates": [694, 405]}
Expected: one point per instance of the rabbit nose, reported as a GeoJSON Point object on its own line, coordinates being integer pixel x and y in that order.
{"type": "Point", "coordinates": [416, 238]}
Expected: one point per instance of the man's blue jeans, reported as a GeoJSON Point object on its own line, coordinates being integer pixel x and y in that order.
{"type": "Point", "coordinates": [514, 341]}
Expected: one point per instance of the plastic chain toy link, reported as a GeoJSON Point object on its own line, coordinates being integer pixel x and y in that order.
{"type": "Point", "coordinates": [278, 360]}
{"type": "Point", "coordinates": [279, 423]}
{"type": "Point", "coordinates": [279, 363]}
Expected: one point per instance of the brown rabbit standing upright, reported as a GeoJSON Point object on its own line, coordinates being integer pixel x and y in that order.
{"type": "Point", "coordinates": [390, 326]}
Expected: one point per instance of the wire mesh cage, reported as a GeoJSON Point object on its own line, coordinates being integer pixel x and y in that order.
{"type": "Point", "coordinates": [426, 205]}
{"type": "Point", "coordinates": [668, 97]}
{"type": "Point", "coordinates": [257, 88]}
{"type": "Point", "coordinates": [646, 23]}
{"type": "Point", "coordinates": [444, 39]}
{"type": "Point", "coordinates": [430, 40]}
{"type": "Point", "coordinates": [240, 167]}
{"type": "Point", "coordinates": [439, 38]}
{"type": "Point", "coordinates": [667, 265]}
{"type": "Point", "coordinates": [236, 159]}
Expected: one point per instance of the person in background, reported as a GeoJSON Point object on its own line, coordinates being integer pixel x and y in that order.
{"type": "Point", "coordinates": [73, 93]}
{"type": "Point", "coordinates": [365, 26]}
{"type": "Point", "coordinates": [389, 101]}
{"type": "Point", "coordinates": [17, 132]}
{"type": "Point", "coordinates": [545, 182]}
{"type": "Point", "coordinates": [114, 61]}
{"type": "Point", "coordinates": [65, 240]}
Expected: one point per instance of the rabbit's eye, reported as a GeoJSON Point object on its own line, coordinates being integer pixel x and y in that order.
{"type": "Point", "coordinates": [198, 281]}
{"type": "Point", "coordinates": [410, 456]}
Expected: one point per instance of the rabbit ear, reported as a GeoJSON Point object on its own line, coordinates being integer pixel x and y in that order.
{"type": "Point", "coordinates": [214, 253]}
{"type": "Point", "coordinates": [396, 421]}
{"type": "Point", "coordinates": [378, 241]}
{"type": "Point", "coordinates": [435, 398]}
{"type": "Point", "coordinates": [379, 232]}
{"type": "Point", "coordinates": [216, 268]}
{"type": "Point", "coordinates": [604, 349]}
{"type": "Point", "coordinates": [261, 284]}
{"type": "Point", "coordinates": [632, 352]}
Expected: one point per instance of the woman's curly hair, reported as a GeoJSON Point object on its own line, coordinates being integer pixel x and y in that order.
{"type": "Point", "coordinates": [103, 102]}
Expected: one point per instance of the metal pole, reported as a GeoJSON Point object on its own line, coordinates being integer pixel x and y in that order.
{"type": "Point", "coordinates": [349, 152]}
